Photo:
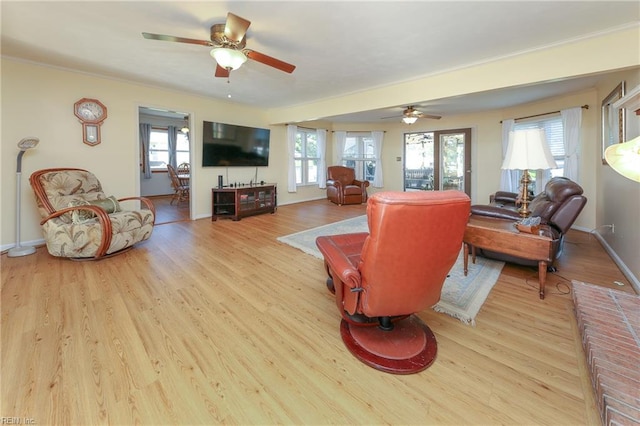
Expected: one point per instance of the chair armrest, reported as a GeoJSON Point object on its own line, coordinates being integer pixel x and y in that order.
{"type": "Point", "coordinates": [361, 183]}
{"type": "Point", "coordinates": [336, 250]}
{"type": "Point", "coordinates": [101, 214]}
{"type": "Point", "coordinates": [505, 197]}
{"type": "Point", "coordinates": [495, 211]}
{"type": "Point", "coordinates": [335, 183]}
{"type": "Point", "coordinates": [146, 201]}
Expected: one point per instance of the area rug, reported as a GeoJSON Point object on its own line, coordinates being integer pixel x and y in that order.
{"type": "Point", "coordinates": [462, 297]}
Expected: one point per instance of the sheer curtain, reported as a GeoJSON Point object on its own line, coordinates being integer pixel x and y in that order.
{"type": "Point", "coordinates": [321, 139]}
{"type": "Point", "coordinates": [508, 178]}
{"type": "Point", "coordinates": [145, 136]}
{"type": "Point", "coordinates": [378, 137]}
{"type": "Point", "coordinates": [292, 130]}
{"type": "Point", "coordinates": [172, 137]}
{"type": "Point", "coordinates": [571, 123]}
{"type": "Point", "coordinates": [340, 138]}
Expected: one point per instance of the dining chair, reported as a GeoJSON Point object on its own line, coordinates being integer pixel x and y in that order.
{"type": "Point", "coordinates": [180, 186]}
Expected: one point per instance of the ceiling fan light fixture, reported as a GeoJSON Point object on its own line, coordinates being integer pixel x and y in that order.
{"type": "Point", "coordinates": [409, 119]}
{"type": "Point", "coordinates": [229, 59]}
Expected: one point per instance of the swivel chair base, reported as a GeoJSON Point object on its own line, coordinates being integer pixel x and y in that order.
{"type": "Point", "coordinates": [409, 348]}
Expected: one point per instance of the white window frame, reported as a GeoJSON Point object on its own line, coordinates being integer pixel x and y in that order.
{"type": "Point", "coordinates": [554, 133]}
{"type": "Point", "coordinates": [364, 153]}
{"type": "Point", "coordinates": [304, 162]}
{"type": "Point", "coordinates": [165, 132]}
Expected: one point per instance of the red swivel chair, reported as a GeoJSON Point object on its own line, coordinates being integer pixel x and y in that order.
{"type": "Point", "coordinates": [381, 278]}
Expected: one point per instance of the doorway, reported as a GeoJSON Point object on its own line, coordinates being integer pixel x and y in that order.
{"type": "Point", "coordinates": [438, 160]}
{"type": "Point", "coordinates": [169, 143]}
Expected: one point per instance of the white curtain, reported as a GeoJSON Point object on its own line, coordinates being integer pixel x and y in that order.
{"type": "Point", "coordinates": [378, 137]}
{"type": "Point", "coordinates": [508, 178]}
{"type": "Point", "coordinates": [571, 123]}
{"type": "Point", "coordinates": [292, 130]}
{"type": "Point", "coordinates": [321, 139]}
{"type": "Point", "coordinates": [145, 136]}
{"type": "Point", "coordinates": [339, 138]}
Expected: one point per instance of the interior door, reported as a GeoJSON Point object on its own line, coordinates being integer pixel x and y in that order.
{"type": "Point", "coordinates": [438, 160]}
{"type": "Point", "coordinates": [158, 185]}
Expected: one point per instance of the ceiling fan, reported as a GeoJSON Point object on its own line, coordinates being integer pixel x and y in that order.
{"type": "Point", "coordinates": [410, 115]}
{"type": "Point", "coordinates": [228, 41]}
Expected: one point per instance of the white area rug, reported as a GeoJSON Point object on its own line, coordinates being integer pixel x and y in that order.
{"type": "Point", "coordinates": [462, 297]}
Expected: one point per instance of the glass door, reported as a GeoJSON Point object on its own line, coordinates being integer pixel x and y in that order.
{"type": "Point", "coordinates": [419, 165]}
{"type": "Point", "coordinates": [438, 160]}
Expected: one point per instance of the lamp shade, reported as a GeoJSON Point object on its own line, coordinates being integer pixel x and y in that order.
{"type": "Point", "coordinates": [528, 150]}
{"type": "Point", "coordinates": [228, 58]}
{"type": "Point", "coordinates": [28, 143]}
{"type": "Point", "coordinates": [624, 158]}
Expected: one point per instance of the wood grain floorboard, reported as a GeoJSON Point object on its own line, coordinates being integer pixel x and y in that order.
{"type": "Point", "coordinates": [219, 323]}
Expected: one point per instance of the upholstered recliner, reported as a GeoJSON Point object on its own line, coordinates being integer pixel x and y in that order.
{"type": "Point", "coordinates": [80, 221]}
{"type": "Point", "coordinates": [382, 277]}
{"type": "Point", "coordinates": [344, 188]}
{"type": "Point", "coordinates": [558, 206]}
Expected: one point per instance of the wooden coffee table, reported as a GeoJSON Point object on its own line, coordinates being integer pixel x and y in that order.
{"type": "Point", "coordinates": [502, 236]}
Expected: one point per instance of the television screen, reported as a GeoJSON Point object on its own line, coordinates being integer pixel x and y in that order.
{"type": "Point", "coordinates": [228, 145]}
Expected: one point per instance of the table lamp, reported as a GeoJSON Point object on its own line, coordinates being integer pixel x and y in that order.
{"type": "Point", "coordinates": [624, 158]}
{"type": "Point", "coordinates": [527, 150]}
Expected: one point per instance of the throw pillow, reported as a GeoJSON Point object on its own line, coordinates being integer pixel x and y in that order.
{"type": "Point", "coordinates": [109, 204]}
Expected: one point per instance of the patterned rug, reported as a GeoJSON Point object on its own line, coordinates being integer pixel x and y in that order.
{"type": "Point", "coordinates": [462, 297]}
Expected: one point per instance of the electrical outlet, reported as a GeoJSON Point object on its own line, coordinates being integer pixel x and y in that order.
{"type": "Point", "coordinates": [613, 228]}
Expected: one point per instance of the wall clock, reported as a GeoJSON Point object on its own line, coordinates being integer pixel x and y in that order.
{"type": "Point", "coordinates": [91, 113]}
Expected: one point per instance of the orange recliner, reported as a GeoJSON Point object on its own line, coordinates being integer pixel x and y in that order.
{"type": "Point", "coordinates": [382, 277]}
{"type": "Point", "coordinates": [344, 188]}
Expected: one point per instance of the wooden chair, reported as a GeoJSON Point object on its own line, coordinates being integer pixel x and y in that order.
{"type": "Point", "coordinates": [180, 187]}
{"type": "Point", "coordinates": [183, 169]}
{"type": "Point", "coordinates": [80, 221]}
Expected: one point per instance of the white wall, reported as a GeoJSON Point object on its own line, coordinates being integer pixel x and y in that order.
{"type": "Point", "coordinates": [619, 197]}
{"type": "Point", "coordinates": [38, 101]}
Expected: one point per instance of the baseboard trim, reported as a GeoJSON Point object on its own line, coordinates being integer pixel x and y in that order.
{"type": "Point", "coordinates": [635, 283]}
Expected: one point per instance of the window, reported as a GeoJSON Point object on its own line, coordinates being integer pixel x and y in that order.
{"type": "Point", "coordinates": [359, 154]}
{"type": "Point", "coordinates": [159, 148]}
{"type": "Point", "coordinates": [554, 133]}
{"type": "Point", "coordinates": [306, 157]}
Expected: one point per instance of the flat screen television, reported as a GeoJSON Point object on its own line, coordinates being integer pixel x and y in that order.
{"type": "Point", "coordinates": [229, 145]}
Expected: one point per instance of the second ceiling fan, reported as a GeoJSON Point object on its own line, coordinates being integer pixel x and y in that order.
{"type": "Point", "coordinates": [228, 41]}
{"type": "Point", "coordinates": [410, 115]}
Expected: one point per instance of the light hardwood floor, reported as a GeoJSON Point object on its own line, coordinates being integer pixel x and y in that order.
{"type": "Point", "coordinates": [167, 212]}
{"type": "Point", "coordinates": [218, 323]}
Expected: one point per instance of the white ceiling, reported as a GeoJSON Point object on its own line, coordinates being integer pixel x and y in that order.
{"type": "Point", "coordinates": [339, 47]}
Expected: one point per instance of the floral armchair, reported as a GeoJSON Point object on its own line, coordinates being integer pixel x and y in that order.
{"type": "Point", "coordinates": [80, 221]}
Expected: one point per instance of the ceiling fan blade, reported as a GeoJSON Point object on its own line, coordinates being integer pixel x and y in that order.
{"type": "Point", "coordinates": [434, 117]}
{"type": "Point", "coordinates": [164, 37]}
{"type": "Point", "coordinates": [221, 72]}
{"type": "Point", "coordinates": [394, 116]}
{"type": "Point", "coordinates": [268, 60]}
{"type": "Point", "coordinates": [236, 27]}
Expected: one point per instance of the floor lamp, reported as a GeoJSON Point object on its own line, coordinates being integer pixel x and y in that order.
{"type": "Point", "coordinates": [527, 150]}
{"type": "Point", "coordinates": [19, 250]}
